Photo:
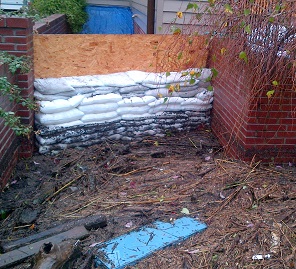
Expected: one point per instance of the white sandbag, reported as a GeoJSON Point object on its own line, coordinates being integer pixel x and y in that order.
{"type": "Point", "coordinates": [49, 107]}
{"type": "Point", "coordinates": [205, 95]}
{"type": "Point", "coordinates": [98, 108]}
{"type": "Point", "coordinates": [132, 110]}
{"type": "Point", "coordinates": [195, 101]}
{"type": "Point", "coordinates": [131, 89]}
{"type": "Point", "coordinates": [84, 81]}
{"type": "Point", "coordinates": [137, 76]}
{"type": "Point", "coordinates": [159, 78]}
{"type": "Point", "coordinates": [136, 101]}
{"type": "Point", "coordinates": [59, 105]}
{"type": "Point", "coordinates": [84, 90]}
{"type": "Point", "coordinates": [135, 116]}
{"type": "Point", "coordinates": [163, 101]}
{"type": "Point", "coordinates": [186, 83]}
{"type": "Point", "coordinates": [116, 80]}
{"type": "Point", "coordinates": [101, 117]}
{"type": "Point", "coordinates": [158, 92]}
{"type": "Point", "coordinates": [165, 107]}
{"type": "Point", "coordinates": [52, 86]}
{"type": "Point", "coordinates": [59, 118]}
{"type": "Point", "coordinates": [67, 124]}
{"type": "Point", "coordinates": [203, 107]}
{"type": "Point", "coordinates": [164, 92]}
{"type": "Point", "coordinates": [102, 99]}
{"type": "Point", "coordinates": [76, 100]}
{"type": "Point", "coordinates": [205, 74]}
{"type": "Point", "coordinates": [48, 97]}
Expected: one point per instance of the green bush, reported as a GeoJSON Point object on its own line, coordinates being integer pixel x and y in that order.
{"type": "Point", "coordinates": [73, 9]}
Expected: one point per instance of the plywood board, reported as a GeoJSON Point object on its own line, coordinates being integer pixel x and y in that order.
{"type": "Point", "coordinates": [77, 55]}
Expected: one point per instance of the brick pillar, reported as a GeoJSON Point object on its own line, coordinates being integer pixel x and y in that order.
{"type": "Point", "coordinates": [252, 126]}
{"type": "Point", "coordinates": [16, 36]}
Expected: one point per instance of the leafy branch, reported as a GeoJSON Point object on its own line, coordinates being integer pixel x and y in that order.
{"type": "Point", "coordinates": [22, 63]}
{"type": "Point", "coordinates": [13, 93]}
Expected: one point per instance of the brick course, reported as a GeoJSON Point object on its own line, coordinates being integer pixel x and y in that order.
{"type": "Point", "coordinates": [54, 24]}
{"type": "Point", "coordinates": [248, 125]}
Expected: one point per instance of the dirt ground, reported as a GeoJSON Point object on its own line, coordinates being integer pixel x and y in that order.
{"type": "Point", "coordinates": [249, 208]}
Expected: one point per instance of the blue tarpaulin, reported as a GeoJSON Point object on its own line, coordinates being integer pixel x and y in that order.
{"type": "Point", "coordinates": [108, 20]}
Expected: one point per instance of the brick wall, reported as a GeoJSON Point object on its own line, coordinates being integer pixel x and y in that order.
{"type": "Point", "coordinates": [249, 125]}
{"type": "Point", "coordinates": [54, 24]}
{"type": "Point", "coordinates": [9, 143]}
{"type": "Point", "coordinates": [16, 36]}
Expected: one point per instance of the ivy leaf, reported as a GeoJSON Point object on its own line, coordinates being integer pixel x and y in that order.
{"type": "Point", "coordinates": [275, 83]}
{"type": "Point", "coordinates": [223, 51]}
{"type": "Point", "coordinates": [247, 12]}
{"type": "Point", "coordinates": [214, 72]}
{"type": "Point", "coordinates": [177, 31]}
{"type": "Point", "coordinates": [270, 93]}
{"type": "Point", "coordinates": [165, 100]}
{"type": "Point", "coordinates": [271, 19]}
{"type": "Point", "coordinates": [211, 2]}
{"type": "Point", "coordinates": [210, 88]}
{"type": "Point", "coordinates": [189, 6]}
{"type": "Point", "coordinates": [243, 56]}
{"type": "Point", "coordinates": [228, 8]}
{"type": "Point", "coordinates": [248, 29]}
{"type": "Point", "coordinates": [180, 55]}
{"type": "Point", "coordinates": [192, 81]}
{"type": "Point", "coordinates": [278, 8]}
{"type": "Point", "coordinates": [167, 74]}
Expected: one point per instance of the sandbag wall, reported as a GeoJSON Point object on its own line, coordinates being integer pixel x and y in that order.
{"type": "Point", "coordinates": [84, 110]}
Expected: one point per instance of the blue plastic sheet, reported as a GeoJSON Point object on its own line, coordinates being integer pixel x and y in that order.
{"type": "Point", "coordinates": [130, 248]}
{"type": "Point", "coordinates": [108, 20]}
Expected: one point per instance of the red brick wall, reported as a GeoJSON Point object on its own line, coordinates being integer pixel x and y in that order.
{"type": "Point", "coordinates": [9, 143]}
{"type": "Point", "coordinates": [249, 125]}
{"type": "Point", "coordinates": [54, 24]}
{"type": "Point", "coordinates": [16, 36]}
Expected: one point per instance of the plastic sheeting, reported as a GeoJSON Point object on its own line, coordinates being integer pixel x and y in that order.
{"type": "Point", "coordinates": [108, 20]}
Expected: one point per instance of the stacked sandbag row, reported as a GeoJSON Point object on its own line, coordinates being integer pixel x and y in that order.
{"type": "Point", "coordinates": [80, 111]}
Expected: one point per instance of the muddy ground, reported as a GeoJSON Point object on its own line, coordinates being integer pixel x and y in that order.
{"type": "Point", "coordinates": [249, 208]}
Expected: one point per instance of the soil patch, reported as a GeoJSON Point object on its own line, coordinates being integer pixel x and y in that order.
{"type": "Point", "coordinates": [250, 209]}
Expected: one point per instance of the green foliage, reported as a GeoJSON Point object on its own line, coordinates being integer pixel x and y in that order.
{"type": "Point", "coordinates": [73, 9]}
{"type": "Point", "coordinates": [13, 93]}
{"type": "Point", "coordinates": [24, 12]}
{"type": "Point", "coordinates": [23, 63]}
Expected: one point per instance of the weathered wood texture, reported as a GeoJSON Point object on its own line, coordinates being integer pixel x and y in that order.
{"type": "Point", "coordinates": [78, 55]}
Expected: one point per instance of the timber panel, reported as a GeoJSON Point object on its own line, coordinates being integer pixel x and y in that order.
{"type": "Point", "coordinates": [78, 55]}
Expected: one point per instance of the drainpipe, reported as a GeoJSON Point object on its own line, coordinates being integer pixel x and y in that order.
{"type": "Point", "coordinates": [150, 16]}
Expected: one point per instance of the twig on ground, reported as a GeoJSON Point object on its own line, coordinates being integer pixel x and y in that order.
{"type": "Point", "coordinates": [62, 188]}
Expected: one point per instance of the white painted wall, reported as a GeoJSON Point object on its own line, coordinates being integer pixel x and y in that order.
{"type": "Point", "coordinates": [139, 9]}
{"type": "Point", "coordinates": [166, 16]}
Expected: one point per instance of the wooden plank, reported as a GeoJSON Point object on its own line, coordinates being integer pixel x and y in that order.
{"type": "Point", "coordinates": [16, 256]}
{"type": "Point", "coordinates": [95, 222]}
{"type": "Point", "coordinates": [75, 55]}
